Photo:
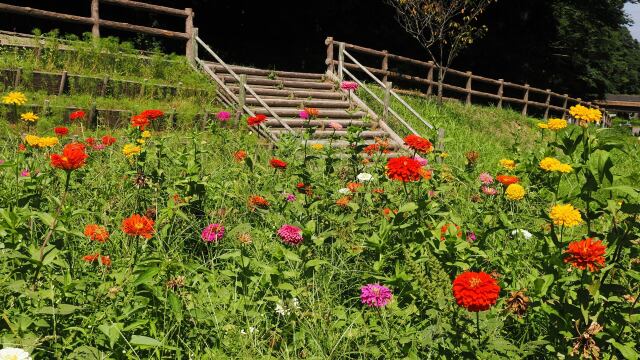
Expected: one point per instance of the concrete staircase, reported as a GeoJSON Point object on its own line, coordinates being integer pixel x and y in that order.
{"type": "Point", "coordinates": [287, 93]}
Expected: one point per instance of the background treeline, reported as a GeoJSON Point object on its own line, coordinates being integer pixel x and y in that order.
{"type": "Point", "coordinates": [581, 47]}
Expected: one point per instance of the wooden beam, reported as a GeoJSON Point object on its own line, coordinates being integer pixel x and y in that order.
{"type": "Point", "coordinates": [143, 29]}
{"type": "Point", "coordinates": [329, 60]}
{"type": "Point", "coordinates": [95, 16]}
{"type": "Point", "coordinates": [149, 7]}
{"type": "Point", "coordinates": [188, 30]}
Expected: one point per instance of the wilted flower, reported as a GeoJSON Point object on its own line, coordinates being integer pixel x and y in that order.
{"type": "Point", "coordinates": [518, 302]}
{"type": "Point", "coordinates": [176, 282]}
{"type": "Point", "coordinates": [472, 157]}
{"type": "Point", "coordinates": [585, 344]}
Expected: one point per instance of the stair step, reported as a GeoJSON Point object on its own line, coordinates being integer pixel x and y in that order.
{"type": "Point", "coordinates": [295, 93]}
{"type": "Point", "coordinates": [300, 103]}
{"type": "Point", "coordinates": [281, 83]}
{"type": "Point", "coordinates": [325, 113]}
{"type": "Point", "coordinates": [295, 122]}
{"type": "Point", "coordinates": [219, 69]}
{"type": "Point", "coordinates": [323, 134]}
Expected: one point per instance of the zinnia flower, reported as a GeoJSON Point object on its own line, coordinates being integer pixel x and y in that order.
{"type": "Point", "coordinates": [422, 161]}
{"type": "Point", "coordinates": [78, 114]}
{"type": "Point", "coordinates": [96, 232]}
{"type": "Point", "coordinates": [289, 234]}
{"type": "Point", "coordinates": [353, 186]}
{"type": "Point", "coordinates": [485, 178]}
{"type": "Point", "coordinates": [137, 225]}
{"type": "Point", "coordinates": [444, 230]}
{"type": "Point", "coordinates": [556, 124]}
{"type": "Point", "coordinates": [61, 131]}
{"type": "Point", "coordinates": [303, 115]}
{"type": "Point", "coordinates": [335, 125]}
{"type": "Point", "coordinates": [543, 125]}
{"type": "Point", "coordinates": [343, 201]}
{"type": "Point", "coordinates": [364, 177]}
{"type": "Point", "coordinates": [550, 164]}
{"type": "Point", "coordinates": [404, 169]}
{"type": "Point", "coordinates": [104, 260]}
{"type": "Point", "coordinates": [508, 164]}
{"type": "Point", "coordinates": [277, 163]}
{"type": "Point", "coordinates": [108, 140]}
{"type": "Point", "coordinates": [152, 114]}
{"type": "Point", "coordinates": [418, 144]}
{"type": "Point", "coordinates": [256, 120]}
{"type": "Point", "coordinates": [585, 115]}
{"type": "Point", "coordinates": [139, 121]}
{"type": "Point", "coordinates": [312, 112]}
{"type": "Point", "coordinates": [223, 116]}
{"type": "Point", "coordinates": [586, 254]}
{"type": "Point", "coordinates": [10, 353]}
{"type": "Point", "coordinates": [375, 295]}
{"type": "Point", "coordinates": [14, 98]}
{"type": "Point", "coordinates": [349, 85]}
{"type": "Point", "coordinates": [73, 157]}
{"type": "Point", "coordinates": [212, 233]}
{"type": "Point", "coordinates": [507, 179]}
{"type": "Point", "coordinates": [240, 155]}
{"type": "Point", "coordinates": [317, 146]}
{"type": "Point", "coordinates": [257, 201]}
{"type": "Point", "coordinates": [41, 142]}
{"type": "Point", "coordinates": [514, 192]}
{"type": "Point", "coordinates": [29, 117]}
{"type": "Point", "coordinates": [475, 291]}
{"type": "Point", "coordinates": [130, 150]}
{"type": "Point", "coordinates": [565, 215]}
{"type": "Point", "coordinates": [290, 197]}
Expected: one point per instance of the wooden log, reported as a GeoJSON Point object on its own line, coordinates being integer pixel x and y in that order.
{"type": "Point", "coordinates": [468, 87]}
{"type": "Point", "coordinates": [143, 29]}
{"type": "Point", "coordinates": [329, 60]}
{"type": "Point", "coordinates": [386, 100]}
{"type": "Point", "coordinates": [564, 106]}
{"type": "Point", "coordinates": [340, 61]}
{"type": "Point", "coordinates": [188, 30]}
{"type": "Point", "coordinates": [500, 93]}
{"type": "Point", "coordinates": [63, 81]}
{"type": "Point", "coordinates": [149, 7]}
{"type": "Point", "coordinates": [105, 84]}
{"type": "Point", "coordinates": [195, 43]}
{"type": "Point", "coordinates": [93, 115]}
{"type": "Point", "coordinates": [525, 100]}
{"type": "Point", "coordinates": [242, 98]}
{"type": "Point", "coordinates": [385, 66]}
{"type": "Point", "coordinates": [95, 16]}
{"type": "Point", "coordinates": [430, 78]}
{"type": "Point", "coordinates": [25, 10]}
{"type": "Point", "coordinates": [547, 102]}
{"type": "Point", "coordinates": [16, 82]}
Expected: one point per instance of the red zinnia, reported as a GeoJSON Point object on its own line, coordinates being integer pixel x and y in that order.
{"type": "Point", "coordinates": [90, 141]}
{"type": "Point", "coordinates": [73, 157]}
{"type": "Point", "coordinates": [104, 260]}
{"type": "Point", "coordinates": [108, 140]}
{"type": "Point", "coordinates": [240, 155]}
{"type": "Point", "coordinates": [507, 180]}
{"type": "Point", "coordinates": [257, 201]}
{"type": "Point", "coordinates": [353, 186]}
{"type": "Point", "coordinates": [139, 121]}
{"type": "Point", "coordinates": [152, 114]}
{"type": "Point", "coordinates": [137, 225]}
{"type": "Point", "coordinates": [79, 114]}
{"type": "Point", "coordinates": [418, 144]}
{"type": "Point", "coordinates": [90, 257]}
{"type": "Point", "coordinates": [22, 147]}
{"type": "Point", "coordinates": [586, 254]}
{"type": "Point", "coordinates": [256, 120]}
{"type": "Point", "coordinates": [277, 163]}
{"type": "Point", "coordinates": [96, 233]}
{"type": "Point", "coordinates": [61, 131]}
{"type": "Point", "coordinates": [475, 291]}
{"type": "Point", "coordinates": [371, 149]}
{"type": "Point", "coordinates": [444, 230]}
{"type": "Point", "coordinates": [404, 169]}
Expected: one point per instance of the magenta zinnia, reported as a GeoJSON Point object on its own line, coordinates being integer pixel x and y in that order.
{"type": "Point", "coordinates": [289, 234]}
{"type": "Point", "coordinates": [212, 233]}
{"type": "Point", "coordinates": [375, 295]}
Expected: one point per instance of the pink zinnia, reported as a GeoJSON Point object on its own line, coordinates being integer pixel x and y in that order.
{"type": "Point", "coordinates": [485, 178]}
{"type": "Point", "coordinates": [349, 85]}
{"type": "Point", "coordinates": [489, 191]}
{"type": "Point", "coordinates": [422, 161]}
{"type": "Point", "coordinates": [25, 173]}
{"type": "Point", "coordinates": [223, 116]}
{"type": "Point", "coordinates": [212, 233]}
{"type": "Point", "coordinates": [289, 234]}
{"type": "Point", "coordinates": [290, 197]}
{"type": "Point", "coordinates": [303, 115]}
{"type": "Point", "coordinates": [375, 295]}
{"type": "Point", "coordinates": [335, 125]}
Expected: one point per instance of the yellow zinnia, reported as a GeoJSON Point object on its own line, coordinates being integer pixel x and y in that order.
{"type": "Point", "coordinates": [514, 192]}
{"type": "Point", "coordinates": [565, 215]}
{"type": "Point", "coordinates": [317, 146]}
{"type": "Point", "coordinates": [552, 164]}
{"type": "Point", "coordinates": [585, 114]}
{"type": "Point", "coordinates": [508, 164]}
{"type": "Point", "coordinates": [130, 150]}
{"type": "Point", "coordinates": [14, 98]}
{"type": "Point", "coordinates": [146, 134]}
{"type": "Point", "coordinates": [41, 142]}
{"type": "Point", "coordinates": [542, 125]}
{"type": "Point", "coordinates": [556, 124]}
{"type": "Point", "coordinates": [29, 117]}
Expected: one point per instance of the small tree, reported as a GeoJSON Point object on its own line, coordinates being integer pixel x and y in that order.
{"type": "Point", "coordinates": [442, 27]}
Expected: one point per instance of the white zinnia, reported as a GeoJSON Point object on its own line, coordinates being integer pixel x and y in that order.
{"type": "Point", "coordinates": [344, 191]}
{"type": "Point", "coordinates": [363, 177]}
{"type": "Point", "coordinates": [9, 353]}
{"type": "Point", "coordinates": [525, 234]}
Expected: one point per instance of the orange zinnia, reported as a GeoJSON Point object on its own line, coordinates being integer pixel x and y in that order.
{"type": "Point", "coordinates": [353, 186]}
{"type": "Point", "coordinates": [418, 144]}
{"type": "Point", "coordinates": [240, 155]}
{"type": "Point", "coordinates": [586, 254]}
{"type": "Point", "coordinates": [313, 112]}
{"type": "Point", "coordinates": [139, 121]}
{"type": "Point", "coordinates": [507, 180]}
{"type": "Point", "coordinates": [257, 201]}
{"type": "Point", "coordinates": [404, 169]}
{"type": "Point", "coordinates": [96, 233]}
{"type": "Point", "coordinates": [137, 225]}
{"type": "Point", "coordinates": [73, 157]}
{"type": "Point", "coordinates": [343, 201]}
{"type": "Point", "coordinates": [256, 120]}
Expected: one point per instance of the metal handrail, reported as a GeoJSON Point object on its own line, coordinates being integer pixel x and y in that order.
{"type": "Point", "coordinates": [393, 93]}
{"type": "Point", "coordinates": [246, 86]}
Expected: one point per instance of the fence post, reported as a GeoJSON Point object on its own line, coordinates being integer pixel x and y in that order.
{"type": "Point", "coordinates": [430, 78]}
{"type": "Point", "coordinates": [189, 31]}
{"type": "Point", "coordinates": [500, 93]}
{"type": "Point", "coordinates": [468, 88]}
{"type": "Point", "coordinates": [525, 99]}
{"type": "Point", "coordinates": [387, 99]}
{"type": "Point", "coordinates": [16, 82]}
{"type": "Point", "coordinates": [329, 60]}
{"type": "Point", "coordinates": [547, 103]}
{"type": "Point", "coordinates": [95, 16]}
{"type": "Point", "coordinates": [195, 43]}
{"type": "Point", "coordinates": [63, 80]}
{"type": "Point", "coordinates": [341, 61]}
{"type": "Point", "coordinates": [564, 105]}
{"type": "Point", "coordinates": [105, 83]}
{"type": "Point", "coordinates": [440, 143]}
{"type": "Point", "coordinates": [242, 98]}
{"type": "Point", "coordinates": [385, 66]}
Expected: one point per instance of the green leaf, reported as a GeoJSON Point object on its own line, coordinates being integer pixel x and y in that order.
{"type": "Point", "coordinates": [144, 341]}
{"type": "Point", "coordinates": [408, 207]}
{"type": "Point", "coordinates": [146, 276]}
{"type": "Point", "coordinates": [626, 351]}
{"type": "Point", "coordinates": [315, 263]}
{"type": "Point", "coordinates": [176, 306]}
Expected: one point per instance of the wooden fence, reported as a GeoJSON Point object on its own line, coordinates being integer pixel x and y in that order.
{"type": "Point", "coordinates": [96, 22]}
{"type": "Point", "coordinates": [457, 82]}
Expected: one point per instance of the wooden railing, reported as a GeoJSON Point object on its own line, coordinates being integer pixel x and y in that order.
{"type": "Point", "coordinates": [548, 101]}
{"type": "Point", "coordinates": [96, 22]}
